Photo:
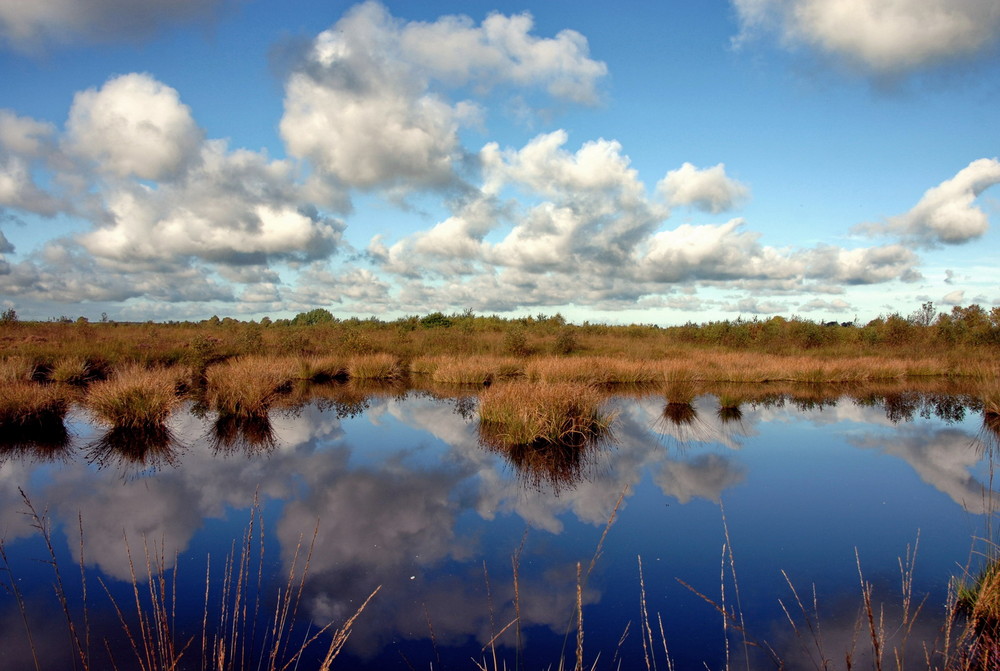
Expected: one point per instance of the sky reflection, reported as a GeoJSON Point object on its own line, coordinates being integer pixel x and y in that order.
{"type": "Point", "coordinates": [404, 495]}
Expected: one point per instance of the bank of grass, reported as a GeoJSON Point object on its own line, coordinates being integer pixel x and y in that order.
{"type": "Point", "coordinates": [32, 417]}
{"type": "Point", "coordinates": [470, 370]}
{"type": "Point", "coordinates": [383, 367]}
{"type": "Point", "coordinates": [525, 413]}
{"type": "Point", "coordinates": [248, 385]}
{"type": "Point", "coordinates": [134, 397]}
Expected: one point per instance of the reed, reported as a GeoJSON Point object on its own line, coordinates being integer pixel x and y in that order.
{"type": "Point", "coordinates": [247, 386]}
{"type": "Point", "coordinates": [134, 397]}
{"type": "Point", "coordinates": [322, 369]}
{"type": "Point", "coordinates": [477, 370]}
{"type": "Point", "coordinates": [242, 627]}
{"type": "Point", "coordinates": [524, 413]}
{"type": "Point", "coordinates": [16, 369]}
{"type": "Point", "coordinates": [593, 370]}
{"type": "Point", "coordinates": [375, 367]}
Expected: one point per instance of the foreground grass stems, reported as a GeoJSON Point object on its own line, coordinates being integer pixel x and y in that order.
{"type": "Point", "coordinates": [232, 622]}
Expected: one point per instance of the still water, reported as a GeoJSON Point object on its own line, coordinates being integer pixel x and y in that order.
{"type": "Point", "coordinates": [396, 490]}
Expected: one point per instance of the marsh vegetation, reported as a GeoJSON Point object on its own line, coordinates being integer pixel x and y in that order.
{"type": "Point", "coordinates": [542, 396]}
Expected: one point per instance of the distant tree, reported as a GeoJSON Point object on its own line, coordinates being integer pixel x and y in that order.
{"type": "Point", "coordinates": [435, 320]}
{"type": "Point", "coordinates": [925, 315]}
{"type": "Point", "coordinates": [313, 317]}
{"type": "Point", "coordinates": [8, 316]}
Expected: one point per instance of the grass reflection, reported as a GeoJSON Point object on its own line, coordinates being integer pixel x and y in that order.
{"type": "Point", "coordinates": [139, 448]}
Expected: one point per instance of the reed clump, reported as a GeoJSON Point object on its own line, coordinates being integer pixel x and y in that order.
{"type": "Point", "coordinates": [382, 366]}
{"type": "Point", "coordinates": [524, 413]}
{"type": "Point", "coordinates": [16, 369]}
{"type": "Point", "coordinates": [246, 386]}
{"type": "Point", "coordinates": [31, 417]}
{"type": "Point", "coordinates": [322, 369]}
{"type": "Point", "coordinates": [602, 370]}
{"type": "Point", "coordinates": [134, 397]}
{"type": "Point", "coordinates": [475, 370]}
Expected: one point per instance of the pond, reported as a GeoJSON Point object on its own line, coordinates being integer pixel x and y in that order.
{"type": "Point", "coordinates": [479, 556]}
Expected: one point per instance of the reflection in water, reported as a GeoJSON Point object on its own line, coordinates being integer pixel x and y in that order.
{"type": "Point", "coordinates": [45, 440]}
{"type": "Point", "coordinates": [404, 495]}
{"type": "Point", "coordinates": [248, 434]}
{"type": "Point", "coordinates": [136, 449]}
{"type": "Point", "coordinates": [557, 465]}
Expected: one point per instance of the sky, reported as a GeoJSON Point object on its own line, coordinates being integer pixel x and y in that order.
{"type": "Point", "coordinates": [651, 163]}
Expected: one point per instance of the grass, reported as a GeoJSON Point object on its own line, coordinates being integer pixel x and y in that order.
{"type": "Point", "coordinates": [594, 370]}
{"type": "Point", "coordinates": [243, 627]}
{"type": "Point", "coordinates": [523, 413]}
{"type": "Point", "coordinates": [134, 397]}
{"type": "Point", "coordinates": [384, 367]}
{"type": "Point", "coordinates": [31, 417]}
{"type": "Point", "coordinates": [247, 386]}
{"type": "Point", "coordinates": [473, 370]}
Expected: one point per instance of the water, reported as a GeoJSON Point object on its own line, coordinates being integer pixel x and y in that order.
{"type": "Point", "coordinates": [401, 494]}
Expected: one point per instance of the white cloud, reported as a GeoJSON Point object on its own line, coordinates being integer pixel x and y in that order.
{"type": "Point", "coordinates": [502, 50]}
{"type": "Point", "coordinates": [956, 297]}
{"type": "Point", "coordinates": [882, 37]}
{"type": "Point", "coordinates": [23, 143]}
{"type": "Point", "coordinates": [361, 109]}
{"type": "Point", "coordinates": [947, 212]}
{"type": "Point", "coordinates": [133, 126]}
{"type": "Point", "coordinates": [28, 26]}
{"type": "Point", "coordinates": [232, 207]}
{"type": "Point", "coordinates": [710, 189]}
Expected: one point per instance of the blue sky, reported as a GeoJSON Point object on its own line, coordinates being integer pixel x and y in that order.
{"type": "Point", "coordinates": [651, 162]}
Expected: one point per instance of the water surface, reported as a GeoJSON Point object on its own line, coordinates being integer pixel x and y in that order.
{"type": "Point", "coordinates": [401, 493]}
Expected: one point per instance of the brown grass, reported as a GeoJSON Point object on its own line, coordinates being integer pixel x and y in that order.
{"type": "Point", "coordinates": [134, 397]}
{"type": "Point", "coordinates": [375, 367]}
{"type": "Point", "coordinates": [525, 413]}
{"type": "Point", "coordinates": [247, 385]}
{"type": "Point", "coordinates": [593, 370]}
{"type": "Point", "coordinates": [474, 370]}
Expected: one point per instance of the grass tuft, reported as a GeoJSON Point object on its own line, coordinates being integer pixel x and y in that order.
{"type": "Point", "coordinates": [523, 413]}
{"type": "Point", "coordinates": [133, 398]}
{"type": "Point", "coordinates": [384, 367]}
{"type": "Point", "coordinates": [246, 386]}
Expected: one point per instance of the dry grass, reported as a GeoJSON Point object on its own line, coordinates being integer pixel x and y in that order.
{"type": "Point", "coordinates": [322, 368]}
{"type": "Point", "coordinates": [375, 367]}
{"type": "Point", "coordinates": [247, 386]}
{"type": "Point", "coordinates": [133, 398]}
{"type": "Point", "coordinates": [242, 627]}
{"type": "Point", "coordinates": [593, 370]}
{"type": "Point", "coordinates": [525, 413]}
{"type": "Point", "coordinates": [72, 370]}
{"type": "Point", "coordinates": [16, 369]}
{"type": "Point", "coordinates": [475, 370]}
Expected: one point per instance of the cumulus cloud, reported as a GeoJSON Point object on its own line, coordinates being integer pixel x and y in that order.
{"type": "Point", "coordinates": [710, 189]}
{"type": "Point", "coordinates": [233, 207]}
{"type": "Point", "coordinates": [30, 26]}
{"type": "Point", "coordinates": [947, 214]}
{"type": "Point", "coordinates": [360, 106]}
{"type": "Point", "coordinates": [882, 37]}
{"type": "Point", "coordinates": [24, 143]}
{"type": "Point", "coordinates": [588, 209]}
{"type": "Point", "coordinates": [133, 126]}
